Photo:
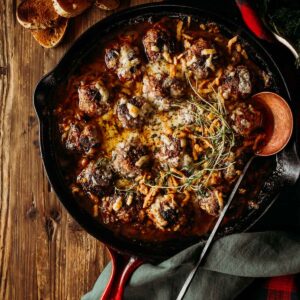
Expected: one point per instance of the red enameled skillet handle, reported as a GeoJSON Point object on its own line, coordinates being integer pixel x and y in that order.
{"type": "Point", "coordinates": [122, 268]}
{"type": "Point", "coordinates": [253, 21]}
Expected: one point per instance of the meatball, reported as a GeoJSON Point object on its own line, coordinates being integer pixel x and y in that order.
{"type": "Point", "coordinates": [83, 138]}
{"type": "Point", "coordinates": [236, 82]}
{"type": "Point", "coordinates": [130, 157]}
{"type": "Point", "coordinates": [175, 87]}
{"type": "Point", "coordinates": [96, 177]}
{"type": "Point", "coordinates": [246, 119]}
{"type": "Point", "coordinates": [160, 89]}
{"type": "Point", "coordinates": [171, 153]}
{"type": "Point", "coordinates": [154, 91]}
{"type": "Point", "coordinates": [132, 112]}
{"type": "Point", "coordinates": [93, 98]}
{"type": "Point", "coordinates": [211, 202]}
{"type": "Point", "coordinates": [201, 58]}
{"type": "Point", "coordinates": [124, 59]}
{"type": "Point", "coordinates": [159, 43]}
{"type": "Point", "coordinates": [121, 207]}
{"type": "Point", "coordinates": [153, 86]}
{"type": "Point", "coordinates": [187, 115]}
{"type": "Point", "coordinates": [165, 213]}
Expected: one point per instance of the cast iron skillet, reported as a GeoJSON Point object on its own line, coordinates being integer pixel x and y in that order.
{"type": "Point", "coordinates": [284, 168]}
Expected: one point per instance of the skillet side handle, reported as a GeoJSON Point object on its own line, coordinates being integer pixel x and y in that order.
{"type": "Point", "coordinates": [290, 164]}
{"type": "Point", "coordinates": [253, 21]}
{"type": "Point", "coordinates": [122, 268]}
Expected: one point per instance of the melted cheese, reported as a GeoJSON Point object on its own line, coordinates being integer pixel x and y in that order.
{"type": "Point", "coordinates": [162, 123]}
{"type": "Point", "coordinates": [111, 134]}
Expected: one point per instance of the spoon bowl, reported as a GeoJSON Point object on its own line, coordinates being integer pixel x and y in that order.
{"type": "Point", "coordinates": [277, 122]}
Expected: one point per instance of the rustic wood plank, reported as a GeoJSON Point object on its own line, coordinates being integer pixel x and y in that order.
{"type": "Point", "coordinates": [44, 254]}
{"type": "Point", "coordinates": [5, 108]}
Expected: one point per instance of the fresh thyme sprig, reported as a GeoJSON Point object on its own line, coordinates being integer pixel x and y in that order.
{"type": "Point", "coordinates": [221, 139]}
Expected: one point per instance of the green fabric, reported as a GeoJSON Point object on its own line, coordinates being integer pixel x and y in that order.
{"type": "Point", "coordinates": [231, 265]}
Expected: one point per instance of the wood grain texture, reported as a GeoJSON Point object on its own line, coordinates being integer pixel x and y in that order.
{"type": "Point", "coordinates": [44, 254]}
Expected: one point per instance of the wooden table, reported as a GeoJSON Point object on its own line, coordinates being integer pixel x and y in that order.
{"type": "Point", "coordinates": [44, 254]}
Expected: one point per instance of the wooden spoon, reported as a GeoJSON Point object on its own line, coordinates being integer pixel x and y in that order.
{"type": "Point", "coordinates": [278, 127]}
{"type": "Point", "coordinates": [278, 122]}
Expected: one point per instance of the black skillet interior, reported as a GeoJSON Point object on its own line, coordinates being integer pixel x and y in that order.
{"type": "Point", "coordinates": [284, 167]}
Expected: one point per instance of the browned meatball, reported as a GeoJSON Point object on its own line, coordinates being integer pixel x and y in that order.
{"type": "Point", "coordinates": [201, 58]}
{"type": "Point", "coordinates": [122, 207]}
{"type": "Point", "coordinates": [130, 157]}
{"type": "Point", "coordinates": [153, 86]}
{"type": "Point", "coordinates": [232, 166]}
{"type": "Point", "coordinates": [154, 91]}
{"type": "Point", "coordinates": [93, 98]}
{"type": "Point", "coordinates": [236, 82]}
{"type": "Point", "coordinates": [96, 177]}
{"type": "Point", "coordinates": [124, 59]}
{"type": "Point", "coordinates": [159, 43]}
{"type": "Point", "coordinates": [187, 114]}
{"type": "Point", "coordinates": [246, 119]}
{"type": "Point", "coordinates": [175, 87]}
{"type": "Point", "coordinates": [83, 138]}
{"type": "Point", "coordinates": [211, 202]}
{"type": "Point", "coordinates": [166, 214]}
{"type": "Point", "coordinates": [172, 151]}
{"type": "Point", "coordinates": [160, 89]}
{"type": "Point", "coordinates": [132, 112]}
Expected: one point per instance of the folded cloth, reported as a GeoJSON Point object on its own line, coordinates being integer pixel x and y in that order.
{"type": "Point", "coordinates": [233, 263]}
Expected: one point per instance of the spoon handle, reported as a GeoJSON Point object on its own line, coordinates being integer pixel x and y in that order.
{"type": "Point", "coordinates": [213, 233]}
